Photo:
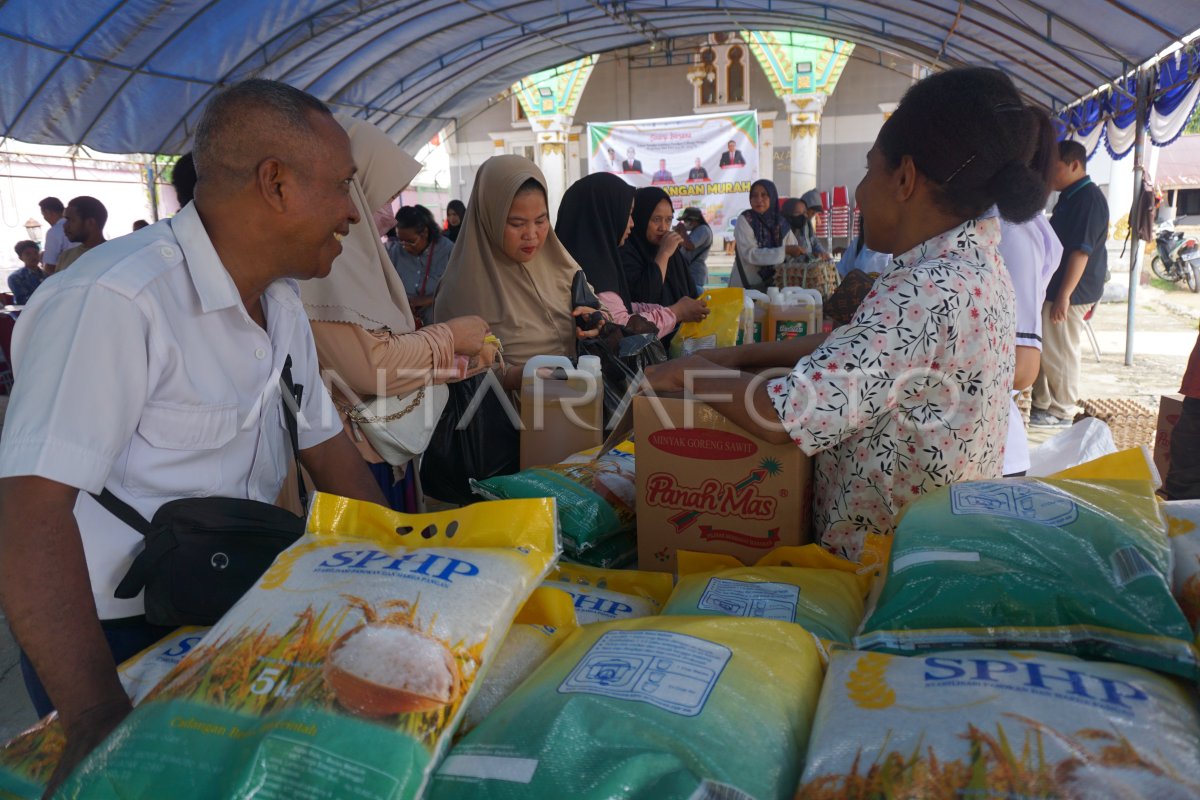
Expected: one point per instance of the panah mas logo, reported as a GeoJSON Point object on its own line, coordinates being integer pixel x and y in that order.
{"type": "Point", "coordinates": [727, 499]}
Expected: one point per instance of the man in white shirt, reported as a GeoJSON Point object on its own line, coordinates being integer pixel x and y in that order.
{"type": "Point", "coordinates": [155, 374]}
{"type": "Point", "coordinates": [56, 237]}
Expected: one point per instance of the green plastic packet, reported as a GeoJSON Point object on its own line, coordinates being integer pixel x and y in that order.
{"type": "Point", "coordinates": [1079, 567]}
{"type": "Point", "coordinates": [614, 552]}
{"type": "Point", "coordinates": [595, 494]}
{"type": "Point", "coordinates": [664, 708]}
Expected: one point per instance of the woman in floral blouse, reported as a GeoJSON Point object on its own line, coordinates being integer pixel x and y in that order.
{"type": "Point", "coordinates": [913, 393]}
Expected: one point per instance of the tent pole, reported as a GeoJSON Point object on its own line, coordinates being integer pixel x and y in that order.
{"type": "Point", "coordinates": [1135, 255]}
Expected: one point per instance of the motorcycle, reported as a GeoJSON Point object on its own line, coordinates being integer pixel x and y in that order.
{"type": "Point", "coordinates": [1178, 258]}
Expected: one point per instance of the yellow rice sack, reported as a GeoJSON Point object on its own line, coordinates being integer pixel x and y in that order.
{"type": "Point", "coordinates": [1000, 724]}
{"type": "Point", "coordinates": [604, 595]}
{"type": "Point", "coordinates": [805, 585]}
{"type": "Point", "coordinates": [544, 622]}
{"type": "Point", "coordinates": [662, 708]}
{"type": "Point", "coordinates": [345, 670]}
{"type": "Point", "coordinates": [28, 759]}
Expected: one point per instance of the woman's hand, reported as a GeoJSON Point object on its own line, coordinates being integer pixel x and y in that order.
{"type": "Point", "coordinates": [586, 311]}
{"type": "Point", "coordinates": [795, 250]}
{"type": "Point", "coordinates": [468, 334]}
{"type": "Point", "coordinates": [669, 244]}
{"type": "Point", "coordinates": [689, 309]}
{"type": "Point", "coordinates": [670, 376]}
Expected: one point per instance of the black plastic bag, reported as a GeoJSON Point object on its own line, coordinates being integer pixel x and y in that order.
{"type": "Point", "coordinates": [483, 446]}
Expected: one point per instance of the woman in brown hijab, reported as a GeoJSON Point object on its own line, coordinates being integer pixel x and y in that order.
{"type": "Point", "coordinates": [361, 321]}
{"type": "Point", "coordinates": [509, 267]}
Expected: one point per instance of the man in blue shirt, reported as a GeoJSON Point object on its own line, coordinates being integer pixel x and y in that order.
{"type": "Point", "coordinates": [1081, 221]}
{"type": "Point", "coordinates": [22, 282]}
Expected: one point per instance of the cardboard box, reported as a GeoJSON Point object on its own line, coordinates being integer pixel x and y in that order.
{"type": "Point", "coordinates": [1170, 406]}
{"type": "Point", "coordinates": [705, 484]}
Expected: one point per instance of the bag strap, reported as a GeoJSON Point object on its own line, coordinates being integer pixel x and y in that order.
{"type": "Point", "coordinates": [135, 578]}
{"type": "Point", "coordinates": [292, 395]}
{"type": "Point", "coordinates": [123, 511]}
{"type": "Point", "coordinates": [737, 262]}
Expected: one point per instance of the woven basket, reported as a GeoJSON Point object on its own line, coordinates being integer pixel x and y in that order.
{"type": "Point", "coordinates": [1132, 423]}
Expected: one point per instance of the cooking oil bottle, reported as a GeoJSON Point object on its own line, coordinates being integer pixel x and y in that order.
{"type": "Point", "coordinates": [562, 413]}
{"type": "Point", "coordinates": [793, 312]}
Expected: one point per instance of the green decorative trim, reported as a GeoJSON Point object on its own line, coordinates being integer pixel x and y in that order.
{"type": "Point", "coordinates": [566, 84]}
{"type": "Point", "coordinates": [778, 53]}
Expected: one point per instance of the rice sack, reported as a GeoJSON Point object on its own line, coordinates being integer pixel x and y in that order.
{"type": "Point", "coordinates": [614, 552]}
{"type": "Point", "coordinates": [596, 494]}
{"type": "Point", "coordinates": [345, 670]}
{"type": "Point", "coordinates": [543, 623]}
{"type": "Point", "coordinates": [805, 585]}
{"type": "Point", "coordinates": [1183, 530]}
{"type": "Point", "coordinates": [668, 708]}
{"type": "Point", "coordinates": [1000, 724]}
{"type": "Point", "coordinates": [604, 595]}
{"type": "Point", "coordinates": [29, 759]}
{"type": "Point", "coordinates": [1073, 566]}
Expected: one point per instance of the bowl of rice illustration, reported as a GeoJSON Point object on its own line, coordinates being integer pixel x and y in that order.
{"type": "Point", "coordinates": [381, 668]}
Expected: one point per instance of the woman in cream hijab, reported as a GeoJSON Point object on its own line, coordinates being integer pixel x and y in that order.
{"type": "Point", "coordinates": [360, 317]}
{"type": "Point", "coordinates": [509, 267]}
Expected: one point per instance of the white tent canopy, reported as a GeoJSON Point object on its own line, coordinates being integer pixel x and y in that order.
{"type": "Point", "coordinates": [123, 76]}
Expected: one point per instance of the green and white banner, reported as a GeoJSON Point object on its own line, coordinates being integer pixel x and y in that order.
{"type": "Point", "coordinates": [705, 160]}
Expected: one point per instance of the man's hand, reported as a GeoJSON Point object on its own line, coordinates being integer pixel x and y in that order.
{"type": "Point", "coordinates": [336, 467]}
{"type": "Point", "coordinates": [1058, 311]}
{"type": "Point", "coordinates": [87, 732]}
{"type": "Point", "coordinates": [47, 598]}
{"type": "Point", "coordinates": [689, 309]}
{"type": "Point", "coordinates": [469, 332]}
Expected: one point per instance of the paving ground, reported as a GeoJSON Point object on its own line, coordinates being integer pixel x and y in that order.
{"type": "Point", "coordinates": [1165, 332]}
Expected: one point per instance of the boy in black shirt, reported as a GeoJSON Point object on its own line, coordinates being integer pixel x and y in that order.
{"type": "Point", "coordinates": [1081, 221]}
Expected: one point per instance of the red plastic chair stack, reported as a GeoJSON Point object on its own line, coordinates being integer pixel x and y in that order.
{"type": "Point", "coordinates": [839, 213]}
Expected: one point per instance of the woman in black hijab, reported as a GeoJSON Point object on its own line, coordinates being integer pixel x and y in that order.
{"type": "Point", "coordinates": [655, 269]}
{"type": "Point", "coordinates": [456, 212]}
{"type": "Point", "coordinates": [594, 221]}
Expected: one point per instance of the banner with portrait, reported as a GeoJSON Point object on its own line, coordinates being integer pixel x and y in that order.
{"type": "Point", "coordinates": [706, 160]}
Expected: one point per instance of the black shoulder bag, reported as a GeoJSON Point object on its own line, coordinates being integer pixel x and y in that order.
{"type": "Point", "coordinates": [203, 553]}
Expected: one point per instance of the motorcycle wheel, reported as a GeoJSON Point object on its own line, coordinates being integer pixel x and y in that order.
{"type": "Point", "coordinates": [1160, 270]}
{"type": "Point", "coordinates": [1193, 281]}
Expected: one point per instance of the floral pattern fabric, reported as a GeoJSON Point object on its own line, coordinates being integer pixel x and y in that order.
{"type": "Point", "coordinates": [913, 393]}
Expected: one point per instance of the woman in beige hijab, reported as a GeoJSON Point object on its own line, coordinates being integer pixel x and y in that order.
{"type": "Point", "coordinates": [360, 316]}
{"type": "Point", "coordinates": [509, 267]}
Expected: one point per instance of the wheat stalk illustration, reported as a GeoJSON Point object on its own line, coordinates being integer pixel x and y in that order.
{"type": "Point", "coordinates": [867, 684]}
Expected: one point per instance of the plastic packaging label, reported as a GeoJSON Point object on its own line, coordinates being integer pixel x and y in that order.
{"type": "Point", "coordinates": [790, 330]}
{"type": "Point", "coordinates": [669, 670]}
{"type": "Point", "coordinates": [742, 599]}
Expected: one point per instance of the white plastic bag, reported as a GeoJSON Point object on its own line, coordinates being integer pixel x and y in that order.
{"type": "Point", "coordinates": [1084, 441]}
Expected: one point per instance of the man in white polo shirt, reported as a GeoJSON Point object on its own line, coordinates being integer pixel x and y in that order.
{"type": "Point", "coordinates": [152, 369]}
